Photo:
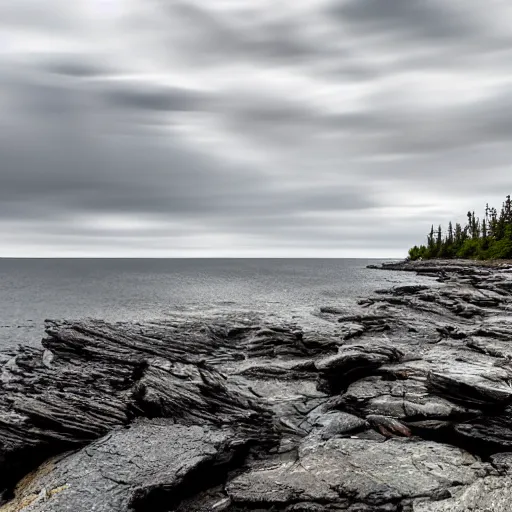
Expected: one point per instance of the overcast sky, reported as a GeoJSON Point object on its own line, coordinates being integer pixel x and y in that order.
{"type": "Point", "coordinates": [249, 127]}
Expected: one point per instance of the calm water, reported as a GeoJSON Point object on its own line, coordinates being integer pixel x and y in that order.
{"type": "Point", "coordinates": [136, 289]}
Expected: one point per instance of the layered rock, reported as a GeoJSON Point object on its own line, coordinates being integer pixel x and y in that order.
{"type": "Point", "coordinates": [402, 404]}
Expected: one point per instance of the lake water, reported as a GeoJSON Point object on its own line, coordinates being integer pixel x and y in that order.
{"type": "Point", "coordinates": [137, 289]}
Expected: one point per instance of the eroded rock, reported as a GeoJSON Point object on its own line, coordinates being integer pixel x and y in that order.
{"type": "Point", "coordinates": [402, 404]}
{"type": "Point", "coordinates": [131, 468]}
{"type": "Point", "coordinates": [357, 472]}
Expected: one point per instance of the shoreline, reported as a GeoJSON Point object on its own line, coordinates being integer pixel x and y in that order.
{"type": "Point", "coordinates": [402, 403]}
{"type": "Point", "coordinates": [417, 265]}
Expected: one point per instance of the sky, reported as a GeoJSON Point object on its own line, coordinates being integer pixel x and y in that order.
{"type": "Point", "coordinates": [251, 128]}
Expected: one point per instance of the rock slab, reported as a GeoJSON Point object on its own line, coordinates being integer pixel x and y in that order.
{"type": "Point", "coordinates": [402, 405]}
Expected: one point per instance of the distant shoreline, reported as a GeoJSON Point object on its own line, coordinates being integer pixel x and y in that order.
{"type": "Point", "coordinates": [421, 265]}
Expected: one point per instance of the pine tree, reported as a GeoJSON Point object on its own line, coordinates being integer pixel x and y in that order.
{"type": "Point", "coordinates": [458, 235]}
{"type": "Point", "coordinates": [484, 243]}
{"type": "Point", "coordinates": [501, 223]}
{"type": "Point", "coordinates": [493, 223]}
{"type": "Point", "coordinates": [468, 230]}
{"type": "Point", "coordinates": [474, 224]}
{"type": "Point", "coordinates": [449, 236]}
{"type": "Point", "coordinates": [489, 238]}
{"type": "Point", "coordinates": [507, 206]}
{"type": "Point", "coordinates": [430, 238]}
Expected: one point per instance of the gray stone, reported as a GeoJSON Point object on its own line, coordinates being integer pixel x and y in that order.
{"type": "Point", "coordinates": [125, 468]}
{"type": "Point", "coordinates": [242, 414]}
{"type": "Point", "coordinates": [338, 423]}
{"type": "Point", "coordinates": [358, 471]}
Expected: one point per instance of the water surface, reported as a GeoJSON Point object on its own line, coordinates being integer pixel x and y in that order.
{"type": "Point", "coordinates": [138, 289]}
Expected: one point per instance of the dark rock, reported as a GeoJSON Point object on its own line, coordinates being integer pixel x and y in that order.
{"type": "Point", "coordinates": [336, 423]}
{"type": "Point", "coordinates": [491, 433]}
{"type": "Point", "coordinates": [356, 472]}
{"type": "Point", "coordinates": [471, 390]}
{"type": "Point", "coordinates": [241, 414]}
{"type": "Point", "coordinates": [354, 362]}
{"type": "Point", "coordinates": [493, 493]}
{"type": "Point", "coordinates": [388, 427]}
{"type": "Point", "coordinates": [102, 376]}
{"type": "Point", "coordinates": [410, 289]}
{"type": "Point", "coordinates": [131, 468]}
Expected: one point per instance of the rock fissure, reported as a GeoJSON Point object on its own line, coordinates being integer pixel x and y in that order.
{"type": "Point", "coordinates": [403, 403]}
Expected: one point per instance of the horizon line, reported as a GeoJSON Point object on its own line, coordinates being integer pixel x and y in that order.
{"type": "Point", "coordinates": [200, 257]}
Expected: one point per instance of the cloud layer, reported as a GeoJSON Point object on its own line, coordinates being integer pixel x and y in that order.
{"type": "Point", "coordinates": [248, 127]}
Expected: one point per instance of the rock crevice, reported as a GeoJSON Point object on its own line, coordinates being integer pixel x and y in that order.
{"type": "Point", "coordinates": [403, 404]}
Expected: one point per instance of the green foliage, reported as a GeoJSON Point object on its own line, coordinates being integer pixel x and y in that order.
{"type": "Point", "coordinates": [469, 249]}
{"type": "Point", "coordinates": [500, 250]}
{"type": "Point", "coordinates": [490, 238]}
{"type": "Point", "coordinates": [416, 253]}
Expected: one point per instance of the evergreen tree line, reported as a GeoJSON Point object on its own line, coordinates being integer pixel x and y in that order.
{"type": "Point", "coordinates": [489, 238]}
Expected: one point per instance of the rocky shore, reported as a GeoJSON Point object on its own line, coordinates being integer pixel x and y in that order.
{"type": "Point", "coordinates": [401, 404]}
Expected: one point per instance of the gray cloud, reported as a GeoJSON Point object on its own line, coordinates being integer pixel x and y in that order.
{"type": "Point", "coordinates": [342, 127]}
{"type": "Point", "coordinates": [147, 97]}
{"type": "Point", "coordinates": [415, 19]}
{"type": "Point", "coordinates": [270, 39]}
{"type": "Point", "coordinates": [72, 66]}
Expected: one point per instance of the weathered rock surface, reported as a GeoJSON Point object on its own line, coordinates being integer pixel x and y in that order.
{"type": "Point", "coordinates": [127, 468]}
{"type": "Point", "coordinates": [403, 404]}
{"type": "Point", "coordinates": [357, 474]}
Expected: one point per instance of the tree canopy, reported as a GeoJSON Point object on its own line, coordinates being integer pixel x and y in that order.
{"type": "Point", "coordinates": [489, 238]}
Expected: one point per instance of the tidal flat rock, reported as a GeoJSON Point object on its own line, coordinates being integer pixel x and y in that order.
{"type": "Point", "coordinates": [128, 469]}
{"type": "Point", "coordinates": [357, 473]}
{"type": "Point", "coordinates": [403, 404]}
{"type": "Point", "coordinates": [353, 362]}
{"type": "Point", "coordinates": [102, 376]}
{"type": "Point", "coordinates": [491, 493]}
{"type": "Point", "coordinates": [335, 423]}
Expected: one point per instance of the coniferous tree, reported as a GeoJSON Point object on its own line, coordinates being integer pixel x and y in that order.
{"type": "Point", "coordinates": [430, 238]}
{"type": "Point", "coordinates": [458, 235]}
{"type": "Point", "coordinates": [475, 227]}
{"type": "Point", "coordinates": [493, 223]}
{"type": "Point", "coordinates": [490, 237]}
{"type": "Point", "coordinates": [507, 206]}
{"type": "Point", "coordinates": [485, 240]}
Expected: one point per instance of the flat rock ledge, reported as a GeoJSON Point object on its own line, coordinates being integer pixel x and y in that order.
{"type": "Point", "coordinates": [401, 404]}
